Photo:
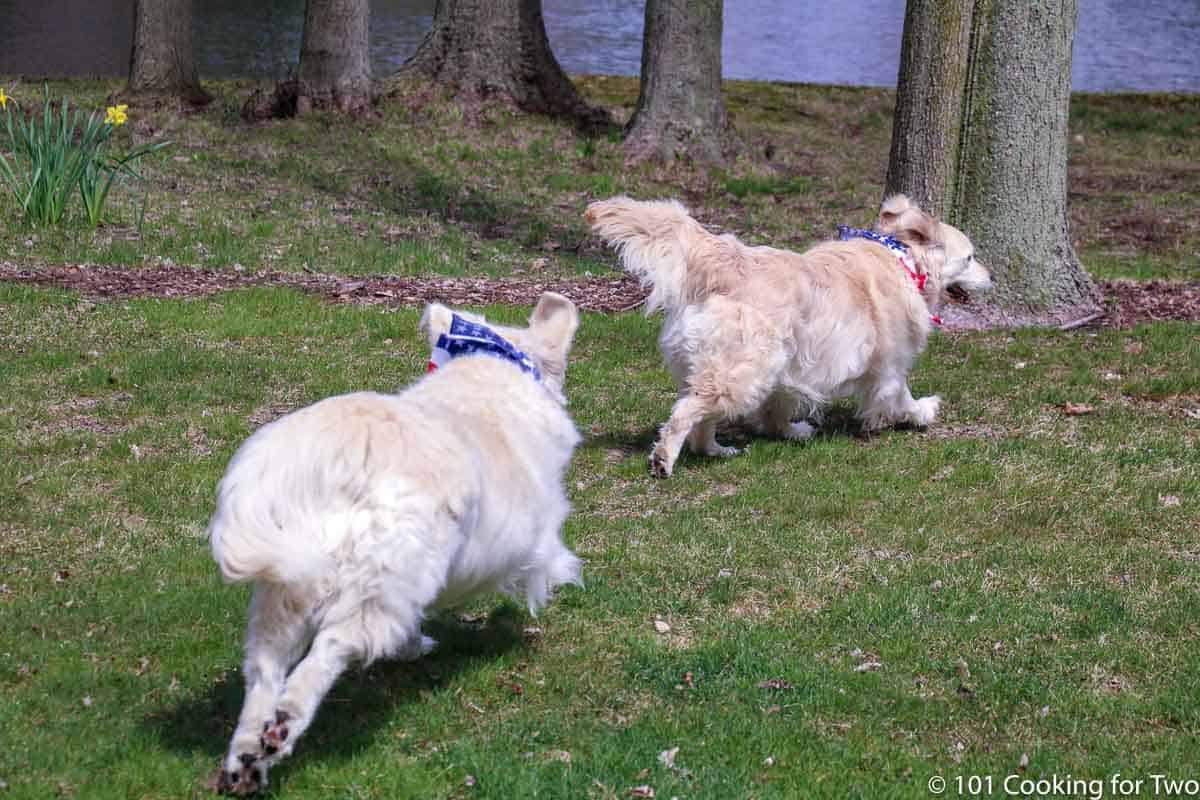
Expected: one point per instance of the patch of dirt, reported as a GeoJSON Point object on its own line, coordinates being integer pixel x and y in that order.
{"type": "Point", "coordinates": [1128, 303]}
{"type": "Point", "coordinates": [1143, 231]}
{"type": "Point", "coordinates": [1131, 302]}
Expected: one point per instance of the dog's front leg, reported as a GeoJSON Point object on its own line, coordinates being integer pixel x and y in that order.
{"type": "Point", "coordinates": [891, 403]}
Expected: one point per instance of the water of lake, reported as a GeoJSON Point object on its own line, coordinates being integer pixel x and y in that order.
{"type": "Point", "coordinates": [1150, 45]}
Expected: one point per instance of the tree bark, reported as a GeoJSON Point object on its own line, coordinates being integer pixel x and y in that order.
{"type": "Point", "coordinates": [162, 64]}
{"type": "Point", "coordinates": [980, 138]}
{"type": "Point", "coordinates": [335, 57]}
{"type": "Point", "coordinates": [498, 50]}
{"type": "Point", "coordinates": [680, 110]}
{"type": "Point", "coordinates": [335, 65]}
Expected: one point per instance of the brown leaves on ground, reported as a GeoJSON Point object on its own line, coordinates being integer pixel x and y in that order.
{"type": "Point", "coordinates": [1077, 409]}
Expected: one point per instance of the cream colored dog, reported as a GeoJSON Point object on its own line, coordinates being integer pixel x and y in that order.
{"type": "Point", "coordinates": [771, 335]}
{"type": "Point", "coordinates": [355, 515]}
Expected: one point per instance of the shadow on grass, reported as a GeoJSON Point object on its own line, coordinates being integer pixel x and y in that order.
{"type": "Point", "coordinates": [838, 420]}
{"type": "Point", "coordinates": [400, 184]}
{"type": "Point", "coordinates": [361, 702]}
{"type": "Point", "coordinates": [412, 189]}
{"type": "Point", "coordinates": [626, 442]}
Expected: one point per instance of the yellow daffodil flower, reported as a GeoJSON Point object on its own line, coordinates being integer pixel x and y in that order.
{"type": "Point", "coordinates": [3, 99]}
{"type": "Point", "coordinates": [116, 115]}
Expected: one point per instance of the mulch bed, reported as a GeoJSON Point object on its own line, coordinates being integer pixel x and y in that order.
{"type": "Point", "coordinates": [615, 293]}
{"type": "Point", "coordinates": [1128, 303]}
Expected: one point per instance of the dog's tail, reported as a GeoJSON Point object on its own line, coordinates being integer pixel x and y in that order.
{"type": "Point", "coordinates": [258, 553]}
{"type": "Point", "coordinates": [254, 539]}
{"type": "Point", "coordinates": [666, 249]}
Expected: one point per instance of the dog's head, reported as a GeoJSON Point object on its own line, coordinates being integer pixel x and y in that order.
{"type": "Point", "coordinates": [955, 265]}
{"type": "Point", "coordinates": [547, 340]}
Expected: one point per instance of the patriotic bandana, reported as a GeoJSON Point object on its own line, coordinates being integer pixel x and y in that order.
{"type": "Point", "coordinates": [468, 338]}
{"type": "Point", "coordinates": [845, 232]}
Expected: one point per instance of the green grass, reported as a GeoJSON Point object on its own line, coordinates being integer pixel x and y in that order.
{"type": "Point", "coordinates": [428, 188]}
{"type": "Point", "coordinates": [1026, 580]}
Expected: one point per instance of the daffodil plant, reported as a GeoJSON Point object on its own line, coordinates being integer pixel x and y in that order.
{"type": "Point", "coordinates": [53, 152]}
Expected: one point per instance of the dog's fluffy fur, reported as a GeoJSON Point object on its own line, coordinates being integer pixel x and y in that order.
{"type": "Point", "coordinates": [770, 335]}
{"type": "Point", "coordinates": [355, 515]}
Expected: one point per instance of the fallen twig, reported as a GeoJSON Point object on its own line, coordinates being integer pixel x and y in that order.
{"type": "Point", "coordinates": [1079, 323]}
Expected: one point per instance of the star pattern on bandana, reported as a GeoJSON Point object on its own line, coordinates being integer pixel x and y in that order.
{"type": "Point", "coordinates": [470, 338]}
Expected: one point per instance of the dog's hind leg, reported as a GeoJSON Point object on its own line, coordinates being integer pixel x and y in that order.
{"type": "Point", "coordinates": [777, 415]}
{"type": "Point", "coordinates": [689, 411]}
{"type": "Point", "coordinates": [703, 440]}
{"type": "Point", "coordinates": [353, 632]}
{"type": "Point", "coordinates": [277, 633]}
{"type": "Point", "coordinates": [727, 376]}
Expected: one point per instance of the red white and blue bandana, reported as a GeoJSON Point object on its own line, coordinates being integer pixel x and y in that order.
{"type": "Point", "coordinates": [467, 338]}
{"type": "Point", "coordinates": [898, 248]}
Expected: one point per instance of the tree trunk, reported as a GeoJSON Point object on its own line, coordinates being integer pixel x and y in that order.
{"type": "Point", "coordinates": [335, 65]}
{"type": "Point", "coordinates": [980, 138]}
{"type": "Point", "coordinates": [162, 64]}
{"type": "Point", "coordinates": [497, 49]}
{"type": "Point", "coordinates": [335, 57]}
{"type": "Point", "coordinates": [680, 110]}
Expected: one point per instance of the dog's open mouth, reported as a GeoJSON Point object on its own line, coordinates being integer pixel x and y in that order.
{"type": "Point", "coordinates": [958, 294]}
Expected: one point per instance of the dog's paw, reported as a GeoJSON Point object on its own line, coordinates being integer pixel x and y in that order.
{"type": "Point", "coordinates": [247, 776]}
{"type": "Point", "coordinates": [926, 410]}
{"type": "Point", "coordinates": [660, 465]}
{"type": "Point", "coordinates": [798, 431]}
{"type": "Point", "coordinates": [719, 450]}
{"type": "Point", "coordinates": [275, 734]}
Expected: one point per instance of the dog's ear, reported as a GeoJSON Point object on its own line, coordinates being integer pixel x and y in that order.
{"type": "Point", "coordinates": [435, 321]}
{"type": "Point", "coordinates": [916, 227]}
{"type": "Point", "coordinates": [904, 219]}
{"type": "Point", "coordinates": [555, 320]}
{"type": "Point", "coordinates": [891, 210]}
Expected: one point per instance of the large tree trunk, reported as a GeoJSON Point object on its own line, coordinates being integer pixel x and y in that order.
{"type": "Point", "coordinates": [162, 64]}
{"type": "Point", "coordinates": [497, 49]}
{"type": "Point", "coordinates": [680, 110]}
{"type": "Point", "coordinates": [980, 137]}
{"type": "Point", "coordinates": [335, 57]}
{"type": "Point", "coordinates": [335, 65]}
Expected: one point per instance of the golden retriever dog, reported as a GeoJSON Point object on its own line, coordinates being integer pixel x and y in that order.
{"type": "Point", "coordinates": [771, 336]}
{"type": "Point", "coordinates": [355, 515]}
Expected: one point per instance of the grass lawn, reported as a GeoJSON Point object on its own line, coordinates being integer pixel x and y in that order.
{"type": "Point", "coordinates": [1015, 591]}
{"type": "Point", "coordinates": [843, 618]}
{"type": "Point", "coordinates": [425, 189]}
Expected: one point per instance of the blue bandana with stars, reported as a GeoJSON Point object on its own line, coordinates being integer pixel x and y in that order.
{"type": "Point", "coordinates": [467, 338]}
{"type": "Point", "coordinates": [845, 232]}
{"type": "Point", "coordinates": [899, 249]}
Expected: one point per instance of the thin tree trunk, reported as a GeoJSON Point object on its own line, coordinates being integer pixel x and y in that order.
{"type": "Point", "coordinates": [162, 64]}
{"type": "Point", "coordinates": [680, 111]}
{"type": "Point", "coordinates": [498, 50]}
{"type": "Point", "coordinates": [985, 143]}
